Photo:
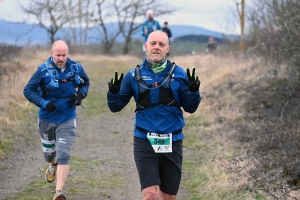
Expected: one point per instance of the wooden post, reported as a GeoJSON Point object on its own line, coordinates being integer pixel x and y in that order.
{"type": "Point", "coordinates": [242, 44]}
{"type": "Point", "coordinates": [242, 23]}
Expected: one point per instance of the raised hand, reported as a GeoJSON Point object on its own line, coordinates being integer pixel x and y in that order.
{"type": "Point", "coordinates": [193, 81]}
{"type": "Point", "coordinates": [115, 84]}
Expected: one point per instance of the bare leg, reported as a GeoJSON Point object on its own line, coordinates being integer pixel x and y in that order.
{"type": "Point", "coordinates": [150, 193]}
{"type": "Point", "coordinates": [164, 196]}
{"type": "Point", "coordinates": [61, 176]}
{"type": "Point", "coordinates": [54, 161]}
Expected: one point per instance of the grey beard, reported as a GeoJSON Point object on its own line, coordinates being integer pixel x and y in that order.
{"type": "Point", "coordinates": [61, 66]}
{"type": "Point", "coordinates": [160, 62]}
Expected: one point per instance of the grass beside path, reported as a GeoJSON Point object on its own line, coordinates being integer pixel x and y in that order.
{"type": "Point", "coordinates": [207, 145]}
{"type": "Point", "coordinates": [86, 179]}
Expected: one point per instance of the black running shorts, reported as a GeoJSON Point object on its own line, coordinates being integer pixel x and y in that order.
{"type": "Point", "coordinates": [163, 169]}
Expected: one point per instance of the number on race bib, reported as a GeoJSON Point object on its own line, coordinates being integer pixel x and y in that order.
{"type": "Point", "coordinates": [159, 141]}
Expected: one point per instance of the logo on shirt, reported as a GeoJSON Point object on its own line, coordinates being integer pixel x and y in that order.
{"type": "Point", "coordinates": [147, 78]}
{"type": "Point", "coordinates": [62, 140]}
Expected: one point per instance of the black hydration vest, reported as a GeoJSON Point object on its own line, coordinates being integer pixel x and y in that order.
{"type": "Point", "coordinates": [166, 96]}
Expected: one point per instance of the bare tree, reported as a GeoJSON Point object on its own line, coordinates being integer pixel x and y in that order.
{"type": "Point", "coordinates": [87, 17]}
{"type": "Point", "coordinates": [79, 20]}
{"type": "Point", "coordinates": [129, 11]}
{"type": "Point", "coordinates": [50, 14]}
{"type": "Point", "coordinates": [101, 16]}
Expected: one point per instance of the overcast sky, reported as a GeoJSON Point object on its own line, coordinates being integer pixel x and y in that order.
{"type": "Point", "coordinates": [210, 14]}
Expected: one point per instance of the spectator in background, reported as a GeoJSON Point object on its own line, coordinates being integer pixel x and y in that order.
{"type": "Point", "coordinates": [168, 32]}
{"type": "Point", "coordinates": [149, 26]}
{"type": "Point", "coordinates": [212, 45]}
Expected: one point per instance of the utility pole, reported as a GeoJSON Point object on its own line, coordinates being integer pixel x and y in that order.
{"type": "Point", "coordinates": [241, 12]}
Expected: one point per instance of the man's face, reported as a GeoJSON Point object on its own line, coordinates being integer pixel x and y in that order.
{"type": "Point", "coordinates": [157, 46]}
{"type": "Point", "coordinates": [150, 16]}
{"type": "Point", "coordinates": [60, 55]}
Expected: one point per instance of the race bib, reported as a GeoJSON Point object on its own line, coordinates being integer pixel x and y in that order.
{"type": "Point", "coordinates": [161, 143]}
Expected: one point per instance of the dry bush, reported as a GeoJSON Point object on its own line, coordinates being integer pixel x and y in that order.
{"type": "Point", "coordinates": [15, 111]}
{"type": "Point", "coordinates": [8, 53]}
{"type": "Point", "coordinates": [226, 85]}
{"type": "Point", "coordinates": [274, 31]}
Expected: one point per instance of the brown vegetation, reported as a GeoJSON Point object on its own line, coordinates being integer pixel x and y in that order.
{"type": "Point", "coordinates": [242, 138]}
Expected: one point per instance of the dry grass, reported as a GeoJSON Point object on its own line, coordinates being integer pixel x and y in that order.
{"type": "Point", "coordinates": [16, 111]}
{"type": "Point", "coordinates": [225, 82]}
{"type": "Point", "coordinates": [225, 86]}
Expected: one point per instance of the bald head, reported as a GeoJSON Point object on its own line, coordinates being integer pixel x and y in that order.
{"type": "Point", "coordinates": [159, 34]}
{"type": "Point", "coordinates": [60, 44]}
{"type": "Point", "coordinates": [59, 53]}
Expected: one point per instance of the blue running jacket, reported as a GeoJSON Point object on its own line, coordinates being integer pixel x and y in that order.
{"type": "Point", "coordinates": [157, 118]}
{"type": "Point", "coordinates": [59, 96]}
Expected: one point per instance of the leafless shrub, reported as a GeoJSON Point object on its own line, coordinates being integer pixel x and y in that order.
{"type": "Point", "coordinates": [274, 30]}
{"type": "Point", "coordinates": [7, 55]}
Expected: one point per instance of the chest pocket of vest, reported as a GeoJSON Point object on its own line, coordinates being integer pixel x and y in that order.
{"type": "Point", "coordinates": [166, 96]}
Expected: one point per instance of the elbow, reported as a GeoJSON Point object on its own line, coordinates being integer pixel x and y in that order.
{"type": "Point", "coordinates": [113, 109]}
{"type": "Point", "coordinates": [190, 110]}
{"type": "Point", "coordinates": [25, 92]}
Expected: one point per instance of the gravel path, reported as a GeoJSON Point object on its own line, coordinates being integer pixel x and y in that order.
{"type": "Point", "coordinates": [106, 136]}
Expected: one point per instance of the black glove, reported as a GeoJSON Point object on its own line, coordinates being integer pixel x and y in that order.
{"type": "Point", "coordinates": [193, 81]}
{"type": "Point", "coordinates": [50, 107]}
{"type": "Point", "coordinates": [115, 84]}
{"type": "Point", "coordinates": [76, 100]}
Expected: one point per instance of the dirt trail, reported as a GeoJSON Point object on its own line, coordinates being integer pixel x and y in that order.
{"type": "Point", "coordinates": [107, 137]}
{"type": "Point", "coordinates": [22, 166]}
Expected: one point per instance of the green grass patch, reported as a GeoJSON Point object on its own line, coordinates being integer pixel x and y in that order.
{"type": "Point", "coordinates": [86, 178]}
{"type": "Point", "coordinates": [95, 103]}
{"type": "Point", "coordinates": [197, 121]}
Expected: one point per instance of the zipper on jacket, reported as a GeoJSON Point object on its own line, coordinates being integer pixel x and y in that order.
{"type": "Point", "coordinates": [156, 110]}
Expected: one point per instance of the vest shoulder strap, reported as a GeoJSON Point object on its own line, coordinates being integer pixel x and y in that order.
{"type": "Point", "coordinates": [74, 68]}
{"type": "Point", "coordinates": [137, 75]}
{"type": "Point", "coordinates": [169, 74]}
{"type": "Point", "coordinates": [51, 70]}
{"type": "Point", "coordinates": [140, 80]}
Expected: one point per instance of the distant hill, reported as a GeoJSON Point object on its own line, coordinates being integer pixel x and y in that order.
{"type": "Point", "coordinates": [33, 34]}
{"type": "Point", "coordinates": [196, 38]}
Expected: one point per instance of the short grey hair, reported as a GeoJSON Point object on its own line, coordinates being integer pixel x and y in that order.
{"type": "Point", "coordinates": [59, 41]}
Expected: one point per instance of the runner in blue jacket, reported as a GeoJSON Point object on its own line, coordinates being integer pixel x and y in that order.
{"type": "Point", "coordinates": [149, 26]}
{"type": "Point", "coordinates": [161, 90]}
{"type": "Point", "coordinates": [53, 88]}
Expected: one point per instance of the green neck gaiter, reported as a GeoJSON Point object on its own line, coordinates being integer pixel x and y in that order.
{"type": "Point", "coordinates": [158, 68]}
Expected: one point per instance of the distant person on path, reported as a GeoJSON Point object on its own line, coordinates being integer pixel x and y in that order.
{"type": "Point", "coordinates": [53, 88]}
{"type": "Point", "coordinates": [160, 89]}
{"type": "Point", "coordinates": [149, 26]}
{"type": "Point", "coordinates": [212, 45]}
{"type": "Point", "coordinates": [168, 32]}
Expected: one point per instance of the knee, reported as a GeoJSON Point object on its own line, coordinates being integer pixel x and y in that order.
{"type": "Point", "coordinates": [150, 193]}
{"type": "Point", "coordinates": [63, 155]}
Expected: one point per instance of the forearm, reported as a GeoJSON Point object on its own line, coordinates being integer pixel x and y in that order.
{"type": "Point", "coordinates": [191, 102]}
{"type": "Point", "coordinates": [34, 97]}
{"type": "Point", "coordinates": [115, 102]}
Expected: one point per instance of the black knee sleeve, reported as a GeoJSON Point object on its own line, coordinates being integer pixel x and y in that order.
{"type": "Point", "coordinates": [49, 157]}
